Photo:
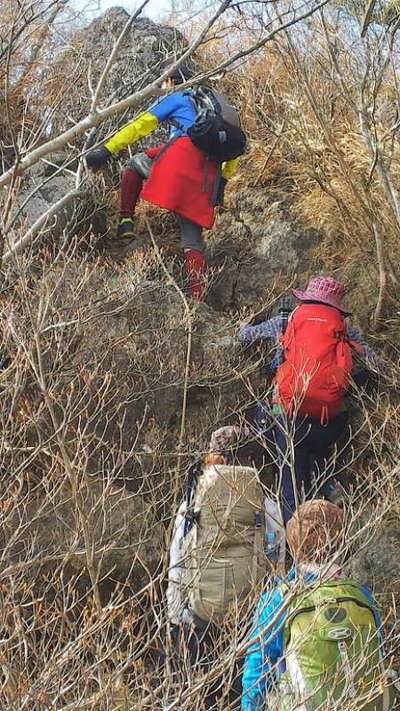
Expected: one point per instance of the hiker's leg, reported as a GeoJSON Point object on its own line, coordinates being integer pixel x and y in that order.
{"type": "Point", "coordinates": [308, 477]}
{"type": "Point", "coordinates": [192, 651]}
{"type": "Point", "coordinates": [202, 647]}
{"type": "Point", "coordinates": [286, 489]}
{"type": "Point", "coordinates": [195, 263]}
{"type": "Point", "coordinates": [294, 455]}
{"type": "Point", "coordinates": [183, 648]}
{"type": "Point", "coordinates": [131, 185]}
{"type": "Point", "coordinates": [176, 671]}
{"type": "Point", "coordinates": [236, 688]}
{"type": "Point", "coordinates": [201, 644]}
{"type": "Point", "coordinates": [225, 686]}
{"type": "Point", "coordinates": [322, 438]}
{"type": "Point", "coordinates": [303, 462]}
{"type": "Point", "coordinates": [186, 656]}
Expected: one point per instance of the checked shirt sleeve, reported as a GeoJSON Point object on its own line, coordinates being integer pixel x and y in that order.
{"type": "Point", "coordinates": [267, 329]}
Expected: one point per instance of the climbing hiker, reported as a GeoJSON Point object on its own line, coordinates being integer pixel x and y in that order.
{"type": "Point", "coordinates": [187, 175]}
{"type": "Point", "coordinates": [316, 640]}
{"type": "Point", "coordinates": [313, 367]}
{"type": "Point", "coordinates": [216, 556]}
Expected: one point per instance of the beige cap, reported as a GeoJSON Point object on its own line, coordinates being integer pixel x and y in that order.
{"type": "Point", "coordinates": [313, 528]}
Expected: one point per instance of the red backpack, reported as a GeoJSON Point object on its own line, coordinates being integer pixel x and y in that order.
{"type": "Point", "coordinates": [314, 376]}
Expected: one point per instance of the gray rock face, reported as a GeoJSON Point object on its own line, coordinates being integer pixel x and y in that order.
{"type": "Point", "coordinates": [40, 191]}
{"type": "Point", "coordinates": [258, 246]}
{"type": "Point", "coordinates": [146, 48]}
{"type": "Point", "coordinates": [378, 564]}
{"type": "Point", "coordinates": [119, 527]}
{"type": "Point", "coordinates": [42, 187]}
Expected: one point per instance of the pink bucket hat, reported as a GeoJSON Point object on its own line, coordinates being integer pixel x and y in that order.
{"type": "Point", "coordinates": [326, 290]}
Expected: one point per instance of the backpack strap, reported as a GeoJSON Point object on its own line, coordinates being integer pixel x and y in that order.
{"type": "Point", "coordinates": [258, 541]}
{"type": "Point", "coordinates": [324, 419]}
{"type": "Point", "coordinates": [284, 320]}
{"type": "Point", "coordinates": [348, 669]}
{"type": "Point", "coordinates": [191, 93]}
{"type": "Point", "coordinates": [285, 311]}
{"type": "Point", "coordinates": [285, 588]}
{"type": "Point", "coordinates": [208, 97]}
{"type": "Point", "coordinates": [177, 124]}
{"type": "Point", "coordinates": [205, 185]}
{"type": "Point", "coordinates": [165, 147]}
{"type": "Point", "coordinates": [192, 476]}
{"type": "Point", "coordinates": [217, 184]}
{"type": "Point", "coordinates": [288, 320]}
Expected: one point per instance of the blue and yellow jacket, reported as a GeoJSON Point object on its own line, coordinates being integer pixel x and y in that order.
{"type": "Point", "coordinates": [176, 108]}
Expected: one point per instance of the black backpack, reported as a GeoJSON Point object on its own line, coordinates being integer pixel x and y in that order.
{"type": "Point", "coordinates": [216, 130]}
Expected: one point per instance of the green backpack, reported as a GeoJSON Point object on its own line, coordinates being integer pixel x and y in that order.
{"type": "Point", "coordinates": [332, 655]}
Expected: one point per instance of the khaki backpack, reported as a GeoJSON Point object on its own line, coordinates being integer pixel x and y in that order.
{"type": "Point", "coordinates": [223, 550]}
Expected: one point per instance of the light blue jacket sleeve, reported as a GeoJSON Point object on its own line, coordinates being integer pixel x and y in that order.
{"type": "Point", "coordinates": [265, 650]}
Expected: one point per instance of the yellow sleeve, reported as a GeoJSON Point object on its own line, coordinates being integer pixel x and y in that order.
{"type": "Point", "coordinates": [140, 127]}
{"type": "Point", "coordinates": [229, 168]}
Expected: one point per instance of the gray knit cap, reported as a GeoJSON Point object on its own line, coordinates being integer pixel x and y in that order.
{"type": "Point", "coordinates": [226, 437]}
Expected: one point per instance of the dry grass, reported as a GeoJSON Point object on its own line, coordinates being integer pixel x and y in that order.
{"type": "Point", "coordinates": [113, 380]}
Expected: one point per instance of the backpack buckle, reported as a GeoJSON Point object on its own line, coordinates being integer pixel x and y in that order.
{"type": "Point", "coordinates": [339, 633]}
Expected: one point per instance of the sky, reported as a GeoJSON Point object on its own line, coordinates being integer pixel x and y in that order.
{"type": "Point", "coordinates": [92, 8]}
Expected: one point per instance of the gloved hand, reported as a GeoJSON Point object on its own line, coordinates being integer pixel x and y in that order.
{"type": "Point", "coordinates": [97, 159]}
{"type": "Point", "coordinates": [254, 319]}
{"type": "Point", "coordinates": [258, 318]}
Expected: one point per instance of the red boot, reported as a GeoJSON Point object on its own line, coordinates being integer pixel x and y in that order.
{"type": "Point", "coordinates": [196, 267]}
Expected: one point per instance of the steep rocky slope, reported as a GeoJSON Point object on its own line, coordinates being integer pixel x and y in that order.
{"type": "Point", "coordinates": [115, 379]}
{"type": "Point", "coordinates": [130, 326]}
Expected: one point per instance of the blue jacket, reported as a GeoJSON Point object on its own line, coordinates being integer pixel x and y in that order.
{"type": "Point", "coordinates": [178, 107]}
{"type": "Point", "coordinates": [266, 650]}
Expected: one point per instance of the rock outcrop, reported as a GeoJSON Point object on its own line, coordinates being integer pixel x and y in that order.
{"type": "Point", "coordinates": [146, 48]}
{"type": "Point", "coordinates": [47, 183]}
{"type": "Point", "coordinates": [92, 524]}
{"type": "Point", "coordinates": [378, 563]}
{"type": "Point", "coordinates": [259, 247]}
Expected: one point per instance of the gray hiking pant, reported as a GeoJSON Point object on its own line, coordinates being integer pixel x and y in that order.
{"type": "Point", "coordinates": [191, 234]}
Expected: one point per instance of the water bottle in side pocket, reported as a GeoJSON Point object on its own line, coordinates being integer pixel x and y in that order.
{"type": "Point", "coordinates": [271, 547]}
